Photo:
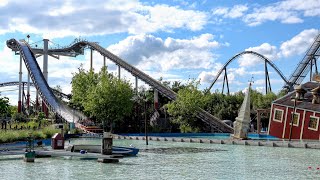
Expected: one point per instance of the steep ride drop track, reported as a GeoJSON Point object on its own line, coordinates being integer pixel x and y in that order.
{"type": "Point", "coordinates": [77, 47]}
{"type": "Point", "coordinates": [40, 83]}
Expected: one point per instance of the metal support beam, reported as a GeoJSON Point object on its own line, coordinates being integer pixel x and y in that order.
{"type": "Point", "coordinates": [45, 59]}
{"type": "Point", "coordinates": [270, 90]}
{"type": "Point", "coordinates": [136, 85]}
{"type": "Point", "coordinates": [119, 72]}
{"type": "Point", "coordinates": [266, 76]}
{"type": "Point", "coordinates": [20, 84]}
{"type": "Point", "coordinates": [225, 81]}
{"type": "Point", "coordinates": [104, 61]}
{"type": "Point", "coordinates": [28, 93]}
{"type": "Point", "coordinates": [91, 54]}
{"type": "Point", "coordinates": [225, 71]}
{"type": "Point", "coordinates": [311, 64]}
{"type": "Point", "coordinates": [315, 64]}
{"type": "Point", "coordinates": [156, 99]}
{"type": "Point", "coordinates": [22, 99]}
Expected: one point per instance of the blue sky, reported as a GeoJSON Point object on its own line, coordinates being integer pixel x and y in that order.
{"type": "Point", "coordinates": [176, 40]}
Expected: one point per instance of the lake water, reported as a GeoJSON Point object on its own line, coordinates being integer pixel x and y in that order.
{"type": "Point", "coordinates": [174, 160]}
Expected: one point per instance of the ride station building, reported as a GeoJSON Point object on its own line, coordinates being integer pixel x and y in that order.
{"type": "Point", "coordinates": [302, 106]}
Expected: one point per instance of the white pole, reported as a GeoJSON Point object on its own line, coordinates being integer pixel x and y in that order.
{"type": "Point", "coordinates": [156, 99]}
{"type": "Point", "coordinates": [45, 59]}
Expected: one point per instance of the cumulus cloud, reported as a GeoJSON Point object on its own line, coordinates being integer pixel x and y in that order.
{"type": "Point", "coordinates": [264, 49]}
{"type": "Point", "coordinates": [272, 13]}
{"type": "Point", "coordinates": [74, 18]}
{"type": "Point", "coordinates": [299, 43]}
{"type": "Point", "coordinates": [153, 53]}
{"type": "Point", "coordinates": [287, 12]}
{"type": "Point", "coordinates": [234, 12]}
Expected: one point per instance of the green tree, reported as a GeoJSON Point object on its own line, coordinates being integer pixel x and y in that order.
{"type": "Point", "coordinates": [109, 100]}
{"type": "Point", "coordinates": [260, 101]}
{"type": "Point", "coordinates": [224, 106]}
{"type": "Point", "coordinates": [184, 108]}
{"type": "Point", "coordinates": [82, 83]}
{"type": "Point", "coordinates": [4, 106]}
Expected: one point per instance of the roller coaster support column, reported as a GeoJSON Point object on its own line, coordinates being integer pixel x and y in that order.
{"type": "Point", "coordinates": [119, 72]}
{"type": "Point", "coordinates": [136, 85]}
{"type": "Point", "coordinates": [91, 54]}
{"type": "Point", "coordinates": [225, 80]}
{"type": "Point", "coordinates": [28, 93]}
{"type": "Point", "coordinates": [45, 59]}
{"type": "Point", "coordinates": [104, 61]}
{"type": "Point", "coordinates": [20, 83]}
{"type": "Point", "coordinates": [22, 98]}
{"type": "Point", "coordinates": [45, 71]}
{"type": "Point", "coordinates": [267, 79]}
{"type": "Point", "coordinates": [156, 99]}
{"type": "Point", "coordinates": [313, 62]}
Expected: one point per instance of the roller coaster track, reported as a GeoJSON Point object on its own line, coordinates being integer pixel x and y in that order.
{"type": "Point", "coordinates": [56, 92]}
{"type": "Point", "coordinates": [77, 48]}
{"type": "Point", "coordinates": [253, 53]}
{"type": "Point", "coordinates": [40, 83]}
{"type": "Point", "coordinates": [214, 122]}
{"type": "Point", "coordinates": [303, 67]}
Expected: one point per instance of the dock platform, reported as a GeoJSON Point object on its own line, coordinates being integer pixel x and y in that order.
{"type": "Point", "coordinates": [62, 153]}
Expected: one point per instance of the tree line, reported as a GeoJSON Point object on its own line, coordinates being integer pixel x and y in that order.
{"type": "Point", "coordinates": [114, 104]}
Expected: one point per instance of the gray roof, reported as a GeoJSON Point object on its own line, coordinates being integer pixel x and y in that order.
{"type": "Point", "coordinates": [306, 103]}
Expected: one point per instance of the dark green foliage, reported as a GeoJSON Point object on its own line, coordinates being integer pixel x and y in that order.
{"type": "Point", "coordinates": [4, 106]}
{"type": "Point", "coordinates": [19, 117]}
{"type": "Point", "coordinates": [224, 106]}
{"type": "Point", "coordinates": [102, 96]}
{"type": "Point", "coordinates": [185, 107]}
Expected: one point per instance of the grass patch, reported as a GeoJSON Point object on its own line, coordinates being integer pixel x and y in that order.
{"type": "Point", "coordinates": [22, 135]}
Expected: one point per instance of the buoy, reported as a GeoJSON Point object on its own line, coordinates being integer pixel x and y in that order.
{"type": "Point", "coordinates": [309, 167]}
{"type": "Point", "coordinates": [82, 151]}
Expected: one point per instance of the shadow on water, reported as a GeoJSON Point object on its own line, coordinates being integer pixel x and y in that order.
{"type": "Point", "coordinates": [179, 150]}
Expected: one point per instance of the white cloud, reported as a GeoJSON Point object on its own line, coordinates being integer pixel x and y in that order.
{"type": "Point", "coordinates": [152, 53]}
{"type": "Point", "coordinates": [234, 12]}
{"type": "Point", "coordinates": [264, 49]}
{"type": "Point", "coordinates": [271, 13]}
{"type": "Point", "coordinates": [299, 43]}
{"type": "Point", "coordinates": [3, 2]}
{"type": "Point", "coordinates": [287, 12]}
{"type": "Point", "coordinates": [74, 18]}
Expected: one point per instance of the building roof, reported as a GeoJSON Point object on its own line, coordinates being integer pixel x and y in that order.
{"type": "Point", "coordinates": [306, 103]}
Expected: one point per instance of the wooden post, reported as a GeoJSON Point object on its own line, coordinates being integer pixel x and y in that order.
{"type": "Point", "coordinates": [258, 123]}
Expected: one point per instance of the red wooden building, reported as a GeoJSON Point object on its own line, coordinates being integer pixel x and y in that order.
{"type": "Point", "coordinates": [303, 105]}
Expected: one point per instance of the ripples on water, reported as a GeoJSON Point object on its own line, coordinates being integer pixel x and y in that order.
{"type": "Point", "coordinates": [175, 160]}
{"type": "Point", "coordinates": [178, 150]}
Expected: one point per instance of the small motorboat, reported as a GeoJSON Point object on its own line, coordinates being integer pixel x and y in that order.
{"type": "Point", "coordinates": [126, 151]}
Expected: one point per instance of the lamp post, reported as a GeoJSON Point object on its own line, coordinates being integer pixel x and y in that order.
{"type": "Point", "coordinates": [145, 118]}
